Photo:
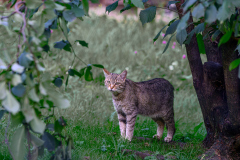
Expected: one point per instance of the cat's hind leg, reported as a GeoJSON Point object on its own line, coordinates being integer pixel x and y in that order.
{"type": "Point", "coordinates": [160, 127]}
{"type": "Point", "coordinates": [122, 124]}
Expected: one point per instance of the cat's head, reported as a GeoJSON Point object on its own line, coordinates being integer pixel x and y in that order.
{"type": "Point", "coordinates": [115, 82]}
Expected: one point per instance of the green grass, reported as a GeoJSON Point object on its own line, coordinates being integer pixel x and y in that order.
{"type": "Point", "coordinates": [92, 122]}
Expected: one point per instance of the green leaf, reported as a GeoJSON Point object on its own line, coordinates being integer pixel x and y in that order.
{"type": "Point", "coordinates": [199, 28]}
{"type": "Point", "coordinates": [3, 90]}
{"type": "Point", "coordinates": [168, 43]}
{"type": "Point", "coordinates": [172, 2]}
{"type": "Point", "coordinates": [126, 8]}
{"type": "Point", "coordinates": [234, 64]}
{"type": "Point", "coordinates": [225, 11]}
{"type": "Point", "coordinates": [201, 45]}
{"type": "Point", "coordinates": [58, 82]}
{"type": "Point", "coordinates": [88, 74]}
{"type": "Point", "coordinates": [69, 15]}
{"type": "Point", "coordinates": [225, 37]}
{"type": "Point", "coordinates": [85, 6]}
{"type": "Point", "coordinates": [2, 64]}
{"type": "Point", "coordinates": [98, 65]}
{"type": "Point", "coordinates": [83, 43]}
{"type": "Point", "coordinates": [10, 103]}
{"type": "Point", "coordinates": [197, 127]}
{"type": "Point", "coordinates": [60, 102]}
{"type": "Point", "coordinates": [94, 1]}
{"type": "Point", "coordinates": [60, 44]}
{"type": "Point", "coordinates": [33, 95]}
{"type": "Point", "coordinates": [68, 6]}
{"type": "Point", "coordinates": [188, 4]}
{"type": "Point", "coordinates": [50, 127]}
{"type": "Point", "coordinates": [63, 24]}
{"type": "Point", "coordinates": [2, 113]}
{"type": "Point", "coordinates": [215, 35]}
{"type": "Point", "coordinates": [19, 90]}
{"type": "Point", "coordinates": [66, 83]}
{"type": "Point", "coordinates": [71, 72]}
{"type": "Point", "coordinates": [172, 28]}
{"type": "Point", "coordinates": [181, 36]}
{"type": "Point", "coordinates": [37, 141]}
{"type": "Point", "coordinates": [13, 3]}
{"type": "Point", "coordinates": [156, 37]}
{"type": "Point", "coordinates": [50, 142]}
{"type": "Point", "coordinates": [138, 3]}
{"type": "Point", "coordinates": [25, 59]}
{"type": "Point", "coordinates": [111, 7]}
{"type": "Point", "coordinates": [211, 14]}
{"type": "Point", "coordinates": [17, 146]}
{"type": "Point", "coordinates": [82, 71]}
{"type": "Point", "coordinates": [17, 119]}
{"type": "Point", "coordinates": [79, 12]}
{"type": "Point", "coordinates": [33, 4]}
{"type": "Point", "coordinates": [147, 15]}
{"type": "Point", "coordinates": [198, 11]}
{"type": "Point", "coordinates": [58, 127]}
{"type": "Point", "coordinates": [37, 125]}
{"type": "Point", "coordinates": [183, 22]}
{"type": "Point", "coordinates": [17, 68]}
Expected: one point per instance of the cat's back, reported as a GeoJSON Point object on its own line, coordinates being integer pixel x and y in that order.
{"type": "Point", "coordinates": [157, 84]}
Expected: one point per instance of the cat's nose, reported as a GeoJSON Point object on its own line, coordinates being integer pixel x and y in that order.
{"type": "Point", "coordinates": [111, 87]}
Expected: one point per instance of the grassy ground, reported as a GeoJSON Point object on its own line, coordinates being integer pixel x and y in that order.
{"type": "Point", "coordinates": [92, 121]}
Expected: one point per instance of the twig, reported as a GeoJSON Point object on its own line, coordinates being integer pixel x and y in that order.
{"type": "Point", "coordinates": [22, 30]}
{"type": "Point", "coordinates": [3, 17]}
{"type": "Point", "coordinates": [24, 20]}
{"type": "Point", "coordinates": [6, 137]}
{"type": "Point", "coordinates": [29, 142]}
{"type": "Point", "coordinates": [148, 5]}
{"type": "Point", "coordinates": [72, 49]}
{"type": "Point", "coordinates": [168, 9]}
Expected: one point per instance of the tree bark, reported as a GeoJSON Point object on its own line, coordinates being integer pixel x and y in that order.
{"type": "Point", "coordinates": [218, 92]}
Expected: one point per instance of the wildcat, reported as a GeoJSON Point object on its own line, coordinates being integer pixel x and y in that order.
{"type": "Point", "coordinates": [153, 98]}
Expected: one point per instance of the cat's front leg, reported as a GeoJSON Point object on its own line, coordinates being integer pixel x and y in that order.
{"type": "Point", "coordinates": [122, 124]}
{"type": "Point", "coordinates": [131, 119]}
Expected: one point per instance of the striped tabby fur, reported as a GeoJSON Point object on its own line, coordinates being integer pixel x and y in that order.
{"type": "Point", "coordinates": [153, 98]}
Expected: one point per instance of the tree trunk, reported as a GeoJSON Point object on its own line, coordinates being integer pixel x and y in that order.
{"type": "Point", "coordinates": [218, 92]}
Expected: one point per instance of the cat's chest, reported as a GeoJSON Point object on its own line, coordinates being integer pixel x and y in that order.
{"type": "Point", "coordinates": [119, 104]}
{"type": "Point", "coordinates": [122, 106]}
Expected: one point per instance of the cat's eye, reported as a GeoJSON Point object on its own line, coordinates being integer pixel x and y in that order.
{"type": "Point", "coordinates": [108, 81]}
{"type": "Point", "coordinates": [117, 83]}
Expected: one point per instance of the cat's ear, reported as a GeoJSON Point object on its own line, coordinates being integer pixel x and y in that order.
{"type": "Point", "coordinates": [123, 75]}
{"type": "Point", "coordinates": [105, 72]}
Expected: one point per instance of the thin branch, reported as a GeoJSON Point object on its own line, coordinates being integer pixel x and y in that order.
{"type": "Point", "coordinates": [29, 142]}
{"type": "Point", "coordinates": [168, 9]}
{"type": "Point", "coordinates": [24, 20]}
{"type": "Point", "coordinates": [148, 5]}
{"type": "Point", "coordinates": [72, 49]}
{"type": "Point", "coordinates": [3, 17]}
{"type": "Point", "coordinates": [22, 30]}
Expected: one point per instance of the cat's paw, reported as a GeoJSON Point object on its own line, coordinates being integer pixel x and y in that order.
{"type": "Point", "coordinates": [157, 137]}
{"type": "Point", "coordinates": [167, 139]}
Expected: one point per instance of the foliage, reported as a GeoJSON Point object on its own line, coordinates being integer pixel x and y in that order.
{"type": "Point", "coordinates": [219, 16]}
{"type": "Point", "coordinates": [26, 88]}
